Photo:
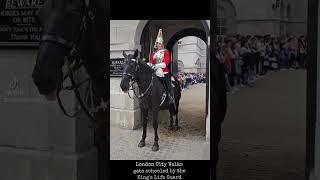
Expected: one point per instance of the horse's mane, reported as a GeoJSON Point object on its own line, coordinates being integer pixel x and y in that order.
{"type": "Point", "coordinates": [145, 67]}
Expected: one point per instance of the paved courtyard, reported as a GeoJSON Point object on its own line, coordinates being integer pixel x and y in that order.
{"type": "Point", "coordinates": [263, 135]}
{"type": "Point", "coordinates": [188, 143]}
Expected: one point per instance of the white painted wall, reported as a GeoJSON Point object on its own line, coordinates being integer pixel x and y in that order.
{"type": "Point", "coordinates": [189, 51]}
{"type": "Point", "coordinates": [122, 35]}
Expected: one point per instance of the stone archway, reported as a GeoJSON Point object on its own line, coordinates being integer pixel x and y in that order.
{"type": "Point", "coordinates": [197, 33]}
{"type": "Point", "coordinates": [141, 27]}
{"type": "Point", "coordinates": [187, 32]}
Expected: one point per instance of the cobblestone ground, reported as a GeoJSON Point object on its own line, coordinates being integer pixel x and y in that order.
{"type": "Point", "coordinates": [188, 143]}
{"type": "Point", "coordinates": [263, 136]}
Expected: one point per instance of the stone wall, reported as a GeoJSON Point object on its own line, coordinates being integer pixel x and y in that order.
{"type": "Point", "coordinates": [124, 111]}
{"type": "Point", "coordinates": [36, 140]}
{"type": "Point", "coordinates": [191, 49]}
{"type": "Point", "coordinates": [258, 17]}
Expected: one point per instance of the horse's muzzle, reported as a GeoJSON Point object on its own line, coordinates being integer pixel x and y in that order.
{"type": "Point", "coordinates": [124, 87]}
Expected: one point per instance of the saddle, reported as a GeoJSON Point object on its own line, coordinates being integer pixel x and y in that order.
{"type": "Point", "coordinates": [160, 74]}
{"type": "Point", "coordinates": [172, 81]}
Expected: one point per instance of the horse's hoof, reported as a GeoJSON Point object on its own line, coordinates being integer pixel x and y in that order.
{"type": "Point", "coordinates": [155, 147]}
{"type": "Point", "coordinates": [176, 128]}
{"type": "Point", "coordinates": [141, 144]}
{"type": "Point", "coordinates": [170, 128]}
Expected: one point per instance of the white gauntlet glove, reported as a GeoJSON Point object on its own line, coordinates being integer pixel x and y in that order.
{"type": "Point", "coordinates": [161, 65]}
{"type": "Point", "coordinates": [151, 65]}
{"type": "Point", "coordinates": [157, 66]}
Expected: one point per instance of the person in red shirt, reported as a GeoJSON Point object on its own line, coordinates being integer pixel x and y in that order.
{"type": "Point", "coordinates": [160, 58]}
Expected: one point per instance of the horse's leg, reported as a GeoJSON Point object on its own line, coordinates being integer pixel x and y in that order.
{"type": "Point", "coordinates": [155, 146]}
{"type": "Point", "coordinates": [142, 142]}
{"type": "Point", "coordinates": [171, 117]}
{"type": "Point", "coordinates": [176, 126]}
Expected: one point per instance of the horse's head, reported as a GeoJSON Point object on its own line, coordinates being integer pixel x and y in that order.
{"type": "Point", "coordinates": [130, 68]}
{"type": "Point", "coordinates": [60, 21]}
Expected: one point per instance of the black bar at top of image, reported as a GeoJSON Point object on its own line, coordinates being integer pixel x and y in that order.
{"type": "Point", "coordinates": [160, 9]}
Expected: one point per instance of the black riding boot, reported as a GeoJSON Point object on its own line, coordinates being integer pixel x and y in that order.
{"type": "Point", "coordinates": [169, 89]}
{"type": "Point", "coordinates": [171, 96]}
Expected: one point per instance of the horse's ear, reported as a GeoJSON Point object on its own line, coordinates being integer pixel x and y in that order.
{"type": "Point", "coordinates": [135, 53]}
{"type": "Point", "coordinates": [124, 54]}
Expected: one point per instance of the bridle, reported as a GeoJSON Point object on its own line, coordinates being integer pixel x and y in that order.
{"type": "Point", "coordinates": [73, 62]}
{"type": "Point", "coordinates": [133, 80]}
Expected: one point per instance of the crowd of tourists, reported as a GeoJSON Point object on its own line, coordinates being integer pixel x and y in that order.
{"type": "Point", "coordinates": [245, 58]}
{"type": "Point", "coordinates": [188, 79]}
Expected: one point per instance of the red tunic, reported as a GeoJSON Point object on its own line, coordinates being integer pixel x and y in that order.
{"type": "Point", "coordinates": [166, 59]}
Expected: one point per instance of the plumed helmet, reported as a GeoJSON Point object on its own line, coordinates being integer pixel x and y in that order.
{"type": "Point", "coordinates": [159, 38]}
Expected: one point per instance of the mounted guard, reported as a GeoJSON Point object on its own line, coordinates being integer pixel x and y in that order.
{"type": "Point", "coordinates": [160, 62]}
{"type": "Point", "coordinates": [150, 89]}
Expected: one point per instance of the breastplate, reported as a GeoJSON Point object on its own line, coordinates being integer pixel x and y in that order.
{"type": "Point", "coordinates": [159, 56]}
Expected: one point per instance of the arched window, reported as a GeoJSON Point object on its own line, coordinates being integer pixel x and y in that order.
{"type": "Point", "coordinates": [282, 11]}
{"type": "Point", "coordinates": [180, 66]}
{"type": "Point", "coordinates": [288, 11]}
{"type": "Point", "coordinates": [221, 28]}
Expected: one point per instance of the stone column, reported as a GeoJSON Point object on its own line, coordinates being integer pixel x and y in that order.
{"type": "Point", "coordinates": [208, 123]}
{"type": "Point", "coordinates": [124, 111]}
{"type": "Point", "coordinates": [316, 174]}
{"type": "Point", "coordinates": [208, 91]}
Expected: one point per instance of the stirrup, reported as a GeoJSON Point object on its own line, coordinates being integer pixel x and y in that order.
{"type": "Point", "coordinates": [171, 99]}
{"type": "Point", "coordinates": [163, 98]}
{"type": "Point", "coordinates": [164, 95]}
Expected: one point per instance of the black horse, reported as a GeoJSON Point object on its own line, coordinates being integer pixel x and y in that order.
{"type": "Point", "coordinates": [151, 91]}
{"type": "Point", "coordinates": [76, 29]}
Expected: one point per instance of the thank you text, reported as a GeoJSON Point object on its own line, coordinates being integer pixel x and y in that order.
{"type": "Point", "coordinates": [19, 22]}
